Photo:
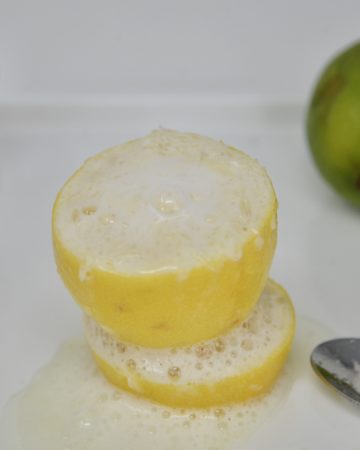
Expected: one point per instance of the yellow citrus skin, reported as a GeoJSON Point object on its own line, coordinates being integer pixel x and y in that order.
{"type": "Point", "coordinates": [239, 388]}
{"type": "Point", "coordinates": [164, 310]}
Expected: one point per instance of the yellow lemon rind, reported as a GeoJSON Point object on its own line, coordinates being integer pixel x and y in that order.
{"type": "Point", "coordinates": [253, 382]}
{"type": "Point", "coordinates": [161, 310]}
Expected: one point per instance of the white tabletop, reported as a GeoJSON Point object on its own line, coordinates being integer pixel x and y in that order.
{"type": "Point", "coordinates": [317, 257]}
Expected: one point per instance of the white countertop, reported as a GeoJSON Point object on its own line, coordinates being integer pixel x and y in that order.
{"type": "Point", "coordinates": [317, 258]}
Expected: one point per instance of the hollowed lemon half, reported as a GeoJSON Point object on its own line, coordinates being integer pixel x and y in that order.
{"type": "Point", "coordinates": [166, 240]}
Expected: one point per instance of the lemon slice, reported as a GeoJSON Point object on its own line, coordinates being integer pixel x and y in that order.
{"type": "Point", "coordinates": [237, 366]}
{"type": "Point", "coordinates": [166, 240]}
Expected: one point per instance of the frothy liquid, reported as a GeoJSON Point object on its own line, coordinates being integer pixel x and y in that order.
{"type": "Point", "coordinates": [69, 405]}
{"type": "Point", "coordinates": [165, 202]}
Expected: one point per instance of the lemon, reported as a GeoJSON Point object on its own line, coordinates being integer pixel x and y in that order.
{"type": "Point", "coordinates": [333, 124]}
{"type": "Point", "coordinates": [166, 240]}
{"type": "Point", "coordinates": [233, 367]}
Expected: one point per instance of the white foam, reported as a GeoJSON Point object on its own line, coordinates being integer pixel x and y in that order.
{"type": "Point", "coordinates": [70, 406]}
{"type": "Point", "coordinates": [165, 202]}
{"type": "Point", "coordinates": [245, 346]}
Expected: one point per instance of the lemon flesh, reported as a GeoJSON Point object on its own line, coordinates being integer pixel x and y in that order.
{"type": "Point", "coordinates": [236, 366]}
{"type": "Point", "coordinates": [166, 240]}
{"type": "Point", "coordinates": [333, 124]}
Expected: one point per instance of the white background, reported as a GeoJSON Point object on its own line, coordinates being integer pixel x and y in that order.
{"type": "Point", "coordinates": [117, 47]}
{"type": "Point", "coordinates": [79, 76]}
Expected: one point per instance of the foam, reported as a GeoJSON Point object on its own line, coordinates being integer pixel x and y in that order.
{"type": "Point", "coordinates": [245, 346]}
{"type": "Point", "coordinates": [165, 202]}
{"type": "Point", "coordinates": [70, 406]}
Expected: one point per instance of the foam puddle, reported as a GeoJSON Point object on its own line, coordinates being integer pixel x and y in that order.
{"type": "Point", "coordinates": [70, 406]}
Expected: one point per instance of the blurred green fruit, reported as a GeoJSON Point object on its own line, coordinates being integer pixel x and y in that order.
{"type": "Point", "coordinates": [333, 124]}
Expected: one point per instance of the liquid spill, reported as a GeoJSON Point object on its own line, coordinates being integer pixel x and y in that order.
{"type": "Point", "coordinates": [70, 406]}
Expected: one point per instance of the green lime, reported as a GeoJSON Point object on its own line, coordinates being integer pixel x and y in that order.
{"type": "Point", "coordinates": [333, 124]}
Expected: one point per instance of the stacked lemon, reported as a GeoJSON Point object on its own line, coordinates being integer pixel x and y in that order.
{"type": "Point", "coordinates": [166, 242]}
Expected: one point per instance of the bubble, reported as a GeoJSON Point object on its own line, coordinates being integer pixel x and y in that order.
{"type": "Point", "coordinates": [89, 210]}
{"type": "Point", "coordinates": [174, 373]}
{"type": "Point", "coordinates": [131, 364]}
{"type": "Point", "coordinates": [219, 345]}
{"type": "Point", "coordinates": [120, 347]}
{"type": "Point", "coordinates": [204, 351]}
{"type": "Point", "coordinates": [85, 423]}
{"type": "Point", "coordinates": [168, 202]}
{"type": "Point", "coordinates": [108, 219]}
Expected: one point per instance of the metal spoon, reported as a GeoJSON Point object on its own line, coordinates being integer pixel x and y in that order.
{"type": "Point", "coordinates": [337, 362]}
